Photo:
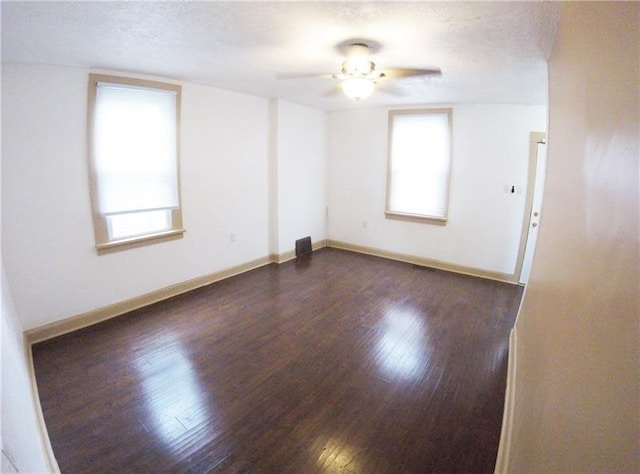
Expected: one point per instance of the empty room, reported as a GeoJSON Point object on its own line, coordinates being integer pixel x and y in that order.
{"type": "Point", "coordinates": [356, 237]}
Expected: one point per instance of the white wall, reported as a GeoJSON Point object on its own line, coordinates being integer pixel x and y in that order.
{"type": "Point", "coordinates": [22, 444]}
{"type": "Point", "coordinates": [48, 242]}
{"type": "Point", "coordinates": [301, 164]}
{"type": "Point", "coordinates": [490, 150]}
{"type": "Point", "coordinates": [577, 382]}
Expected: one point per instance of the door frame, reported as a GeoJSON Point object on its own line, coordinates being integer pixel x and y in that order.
{"type": "Point", "coordinates": [534, 139]}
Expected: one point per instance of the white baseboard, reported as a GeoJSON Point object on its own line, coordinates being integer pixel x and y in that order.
{"type": "Point", "coordinates": [42, 426]}
{"type": "Point", "coordinates": [291, 254]}
{"type": "Point", "coordinates": [98, 315]}
{"type": "Point", "coordinates": [425, 262]}
{"type": "Point", "coordinates": [504, 449]}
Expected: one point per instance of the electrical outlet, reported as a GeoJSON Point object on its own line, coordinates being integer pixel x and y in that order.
{"type": "Point", "coordinates": [232, 237]}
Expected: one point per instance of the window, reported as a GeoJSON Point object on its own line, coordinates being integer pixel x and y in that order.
{"type": "Point", "coordinates": [133, 149]}
{"type": "Point", "coordinates": [419, 164]}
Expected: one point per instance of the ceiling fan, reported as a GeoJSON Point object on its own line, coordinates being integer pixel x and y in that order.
{"type": "Point", "coordinates": [358, 75]}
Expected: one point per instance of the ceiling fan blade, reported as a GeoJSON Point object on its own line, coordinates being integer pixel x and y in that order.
{"type": "Point", "coordinates": [401, 73]}
{"type": "Point", "coordinates": [286, 76]}
{"type": "Point", "coordinates": [333, 92]}
{"type": "Point", "coordinates": [389, 88]}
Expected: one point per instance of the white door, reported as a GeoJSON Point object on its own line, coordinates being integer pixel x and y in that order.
{"type": "Point", "coordinates": [536, 206]}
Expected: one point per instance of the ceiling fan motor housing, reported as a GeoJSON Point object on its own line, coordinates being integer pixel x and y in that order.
{"type": "Point", "coordinates": [358, 63]}
{"type": "Point", "coordinates": [357, 67]}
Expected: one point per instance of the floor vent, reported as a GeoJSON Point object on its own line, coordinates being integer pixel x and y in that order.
{"type": "Point", "coordinates": [303, 247]}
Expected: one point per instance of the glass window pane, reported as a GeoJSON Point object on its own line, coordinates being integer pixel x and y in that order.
{"type": "Point", "coordinates": [122, 226]}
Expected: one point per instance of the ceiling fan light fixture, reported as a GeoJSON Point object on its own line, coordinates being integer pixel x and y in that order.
{"type": "Point", "coordinates": [357, 87]}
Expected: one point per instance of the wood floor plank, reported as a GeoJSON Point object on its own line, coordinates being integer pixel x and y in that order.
{"type": "Point", "coordinates": [341, 363]}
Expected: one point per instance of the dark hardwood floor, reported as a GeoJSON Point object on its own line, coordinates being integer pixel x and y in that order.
{"type": "Point", "coordinates": [344, 363]}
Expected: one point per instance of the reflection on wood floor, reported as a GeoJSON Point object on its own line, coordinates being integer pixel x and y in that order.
{"type": "Point", "coordinates": [342, 363]}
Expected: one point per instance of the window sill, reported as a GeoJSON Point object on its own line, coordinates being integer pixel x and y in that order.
{"type": "Point", "coordinates": [133, 242]}
{"type": "Point", "coordinates": [416, 218]}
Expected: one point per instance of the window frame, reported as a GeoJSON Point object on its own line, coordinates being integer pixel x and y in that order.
{"type": "Point", "coordinates": [407, 216]}
{"type": "Point", "coordinates": [103, 242]}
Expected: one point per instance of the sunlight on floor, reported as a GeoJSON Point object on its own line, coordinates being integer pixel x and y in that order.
{"type": "Point", "coordinates": [402, 350]}
{"type": "Point", "coordinates": [178, 408]}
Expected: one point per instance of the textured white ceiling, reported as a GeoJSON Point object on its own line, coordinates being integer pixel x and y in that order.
{"type": "Point", "coordinates": [489, 52]}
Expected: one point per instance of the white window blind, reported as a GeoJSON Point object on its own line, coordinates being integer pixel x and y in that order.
{"type": "Point", "coordinates": [419, 164]}
{"type": "Point", "coordinates": [135, 149]}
